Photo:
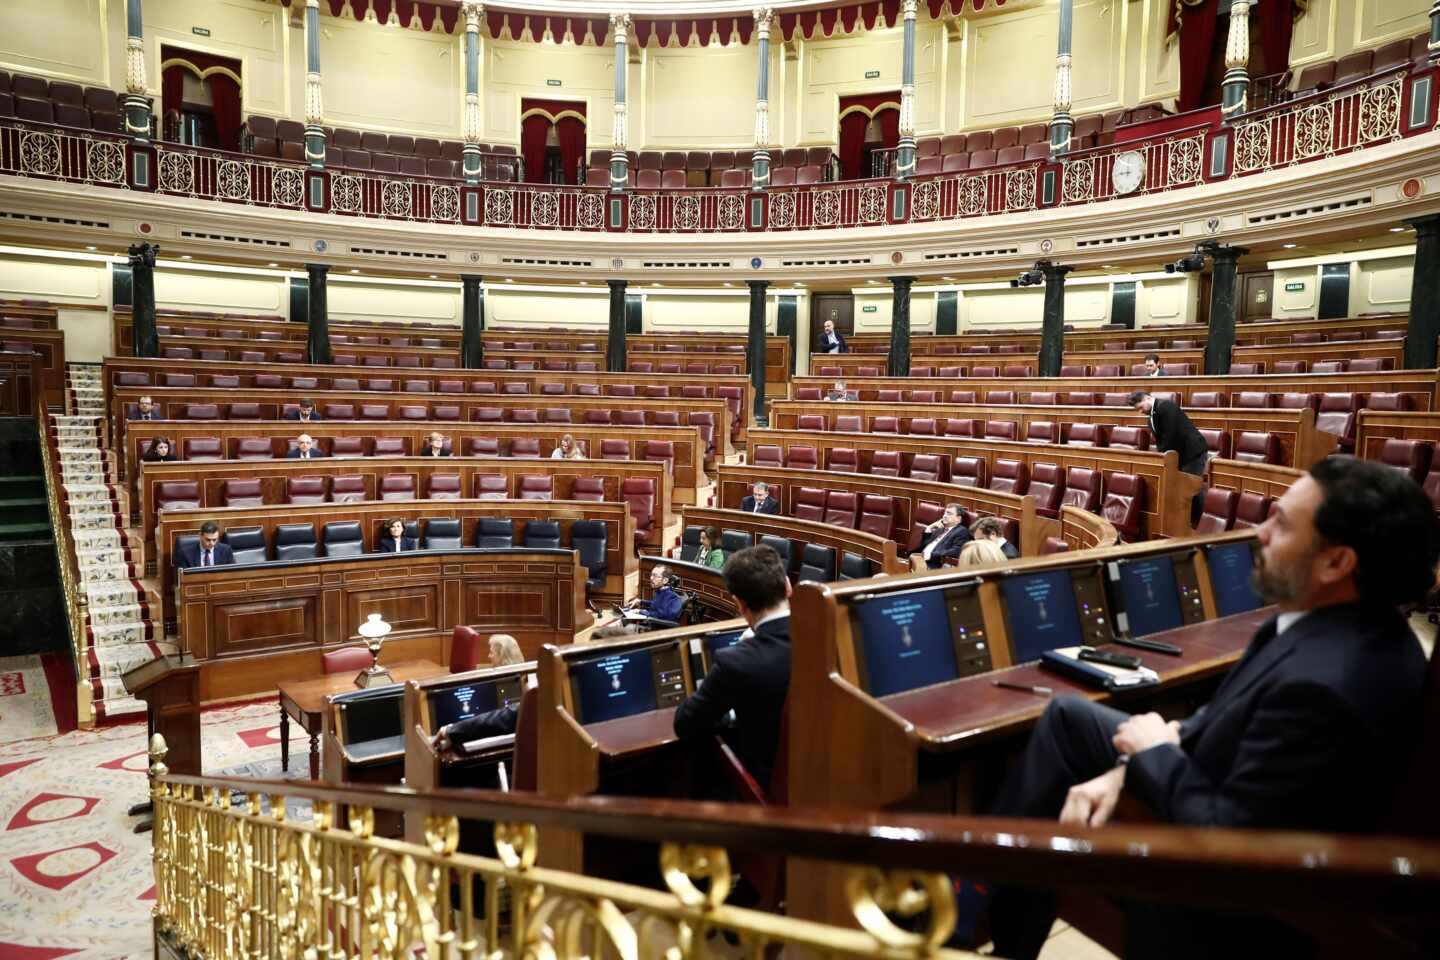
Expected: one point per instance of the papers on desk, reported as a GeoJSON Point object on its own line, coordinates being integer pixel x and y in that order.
{"type": "Point", "coordinates": [486, 744]}
{"type": "Point", "coordinates": [1066, 660]}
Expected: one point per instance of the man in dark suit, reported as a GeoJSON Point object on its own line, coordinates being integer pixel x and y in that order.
{"type": "Point", "coordinates": [393, 540]}
{"type": "Point", "coordinates": [751, 678]}
{"type": "Point", "coordinates": [1173, 431]}
{"type": "Point", "coordinates": [1152, 364]}
{"type": "Point", "coordinates": [145, 410]}
{"type": "Point", "coordinates": [208, 551]}
{"type": "Point", "coordinates": [305, 449]}
{"type": "Point", "coordinates": [945, 537]}
{"type": "Point", "coordinates": [306, 412]}
{"type": "Point", "coordinates": [1312, 730]}
{"type": "Point", "coordinates": [760, 500]}
{"type": "Point", "coordinates": [989, 528]}
{"type": "Point", "coordinates": [435, 446]}
{"type": "Point", "coordinates": [831, 340]}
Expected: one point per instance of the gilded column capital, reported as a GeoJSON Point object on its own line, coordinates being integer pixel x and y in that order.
{"type": "Point", "coordinates": [313, 3]}
{"type": "Point", "coordinates": [620, 24]}
{"type": "Point", "coordinates": [473, 12]}
{"type": "Point", "coordinates": [763, 17]}
{"type": "Point", "coordinates": [911, 9]}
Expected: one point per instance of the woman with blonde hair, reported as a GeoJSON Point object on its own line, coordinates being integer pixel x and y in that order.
{"type": "Point", "coordinates": [504, 651]}
{"type": "Point", "coordinates": [980, 553]}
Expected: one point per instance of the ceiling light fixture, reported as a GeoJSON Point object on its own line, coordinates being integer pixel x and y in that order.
{"type": "Point", "coordinates": [1289, 246]}
{"type": "Point", "coordinates": [355, 270]}
{"type": "Point", "coordinates": [90, 247]}
{"type": "Point", "coordinates": [274, 265]}
{"type": "Point", "coordinates": [186, 256]}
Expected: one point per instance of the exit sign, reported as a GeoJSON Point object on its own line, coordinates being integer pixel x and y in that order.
{"type": "Point", "coordinates": [872, 74]}
{"type": "Point", "coordinates": [870, 308]}
{"type": "Point", "coordinates": [200, 31]}
{"type": "Point", "coordinates": [1294, 287]}
{"type": "Point", "coordinates": [552, 83]}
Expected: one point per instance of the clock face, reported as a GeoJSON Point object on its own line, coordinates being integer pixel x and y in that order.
{"type": "Point", "coordinates": [1128, 171]}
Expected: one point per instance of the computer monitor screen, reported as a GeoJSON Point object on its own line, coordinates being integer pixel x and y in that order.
{"type": "Point", "coordinates": [1041, 613]}
{"type": "Point", "coordinates": [1149, 595]}
{"type": "Point", "coordinates": [906, 641]}
{"type": "Point", "coordinates": [1231, 565]}
{"type": "Point", "coordinates": [613, 686]}
{"type": "Point", "coordinates": [459, 703]}
{"type": "Point", "coordinates": [715, 642]}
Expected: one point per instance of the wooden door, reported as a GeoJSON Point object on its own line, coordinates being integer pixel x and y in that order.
{"type": "Point", "coordinates": [839, 307]}
{"type": "Point", "coordinates": [1257, 295]}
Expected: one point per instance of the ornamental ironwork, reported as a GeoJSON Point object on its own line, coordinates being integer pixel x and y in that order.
{"type": "Point", "coordinates": [642, 212]}
{"type": "Point", "coordinates": [925, 201]}
{"type": "Point", "coordinates": [1184, 164]}
{"type": "Point", "coordinates": [1077, 182]}
{"type": "Point", "coordinates": [782, 209]}
{"type": "Point", "coordinates": [544, 208]}
{"type": "Point", "coordinates": [40, 153]}
{"type": "Point", "coordinates": [590, 211]}
{"type": "Point", "coordinates": [287, 186]}
{"type": "Point", "coordinates": [233, 180]}
{"type": "Point", "coordinates": [105, 159]}
{"type": "Point", "coordinates": [686, 214]}
{"type": "Point", "coordinates": [974, 194]}
{"type": "Point", "coordinates": [396, 200]}
{"type": "Point", "coordinates": [1020, 189]}
{"type": "Point", "coordinates": [445, 204]}
{"type": "Point", "coordinates": [1314, 132]}
{"type": "Point", "coordinates": [872, 204]}
{"type": "Point", "coordinates": [825, 209]}
{"type": "Point", "coordinates": [500, 206]}
{"type": "Point", "coordinates": [731, 214]}
{"type": "Point", "coordinates": [345, 193]}
{"type": "Point", "coordinates": [1252, 146]}
{"type": "Point", "coordinates": [1380, 111]}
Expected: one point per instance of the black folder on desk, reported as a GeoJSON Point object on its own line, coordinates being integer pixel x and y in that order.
{"type": "Point", "coordinates": [1066, 662]}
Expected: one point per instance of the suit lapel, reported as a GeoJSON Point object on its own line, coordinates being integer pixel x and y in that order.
{"type": "Point", "coordinates": [1258, 661]}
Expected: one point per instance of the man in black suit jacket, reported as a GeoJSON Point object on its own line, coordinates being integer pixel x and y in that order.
{"type": "Point", "coordinates": [1310, 731]}
{"type": "Point", "coordinates": [395, 534]}
{"type": "Point", "coordinates": [760, 500]}
{"type": "Point", "coordinates": [207, 552]}
{"type": "Point", "coordinates": [306, 412]}
{"type": "Point", "coordinates": [145, 410]}
{"type": "Point", "coordinates": [752, 678]}
{"type": "Point", "coordinates": [832, 340]}
{"type": "Point", "coordinates": [305, 449]}
{"type": "Point", "coordinates": [989, 528]}
{"type": "Point", "coordinates": [945, 537]}
{"type": "Point", "coordinates": [1173, 431]}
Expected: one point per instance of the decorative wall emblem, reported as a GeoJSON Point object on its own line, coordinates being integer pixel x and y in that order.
{"type": "Point", "coordinates": [1047, 245]}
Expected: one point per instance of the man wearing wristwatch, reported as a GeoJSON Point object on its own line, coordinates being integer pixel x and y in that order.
{"type": "Point", "coordinates": [1312, 730]}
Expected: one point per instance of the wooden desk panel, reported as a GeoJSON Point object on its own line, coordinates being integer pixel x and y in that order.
{"type": "Point", "coordinates": [1375, 427]}
{"type": "Point", "coordinates": [122, 329]}
{"type": "Point", "coordinates": [1167, 509]}
{"type": "Point", "coordinates": [49, 345]}
{"type": "Point", "coordinates": [689, 464]}
{"type": "Point", "coordinates": [734, 483]}
{"type": "Point", "coordinates": [1083, 530]}
{"type": "Point", "coordinates": [1301, 443]}
{"type": "Point", "coordinates": [882, 554]}
{"type": "Point", "coordinates": [1312, 353]}
{"type": "Point", "coordinates": [22, 380]}
{"type": "Point", "coordinates": [1263, 478]}
{"type": "Point", "coordinates": [467, 380]}
{"type": "Point", "coordinates": [1250, 332]}
{"type": "Point", "coordinates": [274, 474]}
{"type": "Point", "coordinates": [47, 317]}
{"type": "Point", "coordinates": [499, 343]}
{"type": "Point", "coordinates": [483, 606]}
{"type": "Point", "coordinates": [430, 358]}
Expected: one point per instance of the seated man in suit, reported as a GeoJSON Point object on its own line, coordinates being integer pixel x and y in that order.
{"type": "Point", "coordinates": [393, 540]}
{"type": "Point", "coordinates": [145, 410]}
{"type": "Point", "coordinates": [435, 446]}
{"type": "Point", "coordinates": [991, 529]}
{"type": "Point", "coordinates": [1173, 431]}
{"type": "Point", "coordinates": [305, 449]}
{"type": "Point", "coordinates": [945, 537]}
{"type": "Point", "coordinates": [1312, 730]}
{"type": "Point", "coordinates": [751, 678]}
{"type": "Point", "coordinates": [838, 392]}
{"type": "Point", "coordinates": [306, 412]}
{"type": "Point", "coordinates": [665, 602]}
{"type": "Point", "coordinates": [831, 340]}
{"type": "Point", "coordinates": [208, 551]}
{"type": "Point", "coordinates": [760, 500]}
{"type": "Point", "coordinates": [1152, 364]}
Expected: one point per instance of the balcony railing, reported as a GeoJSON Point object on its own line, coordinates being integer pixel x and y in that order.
{"type": "Point", "coordinates": [1367, 112]}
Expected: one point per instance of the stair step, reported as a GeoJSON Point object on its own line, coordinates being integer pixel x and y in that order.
{"type": "Point", "coordinates": [10, 532]}
{"type": "Point", "coordinates": [24, 511]}
{"type": "Point", "coordinates": [22, 486]}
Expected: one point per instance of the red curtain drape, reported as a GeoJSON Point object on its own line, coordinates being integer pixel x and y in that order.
{"type": "Point", "coordinates": [852, 144]}
{"type": "Point", "coordinates": [1277, 23]}
{"type": "Point", "coordinates": [571, 132]}
{"type": "Point", "coordinates": [1197, 38]}
{"type": "Point", "coordinates": [225, 98]}
{"type": "Point", "coordinates": [172, 89]}
{"type": "Point", "coordinates": [852, 127]}
{"type": "Point", "coordinates": [533, 130]}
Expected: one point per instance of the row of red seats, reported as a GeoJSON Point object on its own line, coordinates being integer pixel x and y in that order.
{"type": "Point", "coordinates": [681, 169]}
{"type": "Point", "coordinates": [373, 339]}
{"type": "Point", "coordinates": [1418, 460]}
{"type": "Point", "coordinates": [1361, 64]}
{"type": "Point", "coordinates": [982, 148]}
{"type": "Point", "coordinates": [1338, 336]}
{"type": "Point", "coordinates": [298, 356]}
{"type": "Point", "coordinates": [369, 150]}
{"type": "Point", "coordinates": [57, 101]}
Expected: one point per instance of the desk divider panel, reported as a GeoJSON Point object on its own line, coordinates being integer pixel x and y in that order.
{"type": "Point", "coordinates": [1168, 491]}
{"type": "Point", "coordinates": [850, 749]}
{"type": "Point", "coordinates": [1377, 426]}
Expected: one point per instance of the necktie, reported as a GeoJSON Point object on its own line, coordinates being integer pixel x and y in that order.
{"type": "Point", "coordinates": [304, 454]}
{"type": "Point", "coordinates": [205, 560]}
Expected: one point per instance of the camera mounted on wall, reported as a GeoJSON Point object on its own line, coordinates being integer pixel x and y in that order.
{"type": "Point", "coordinates": [1195, 262]}
{"type": "Point", "coordinates": [1033, 277]}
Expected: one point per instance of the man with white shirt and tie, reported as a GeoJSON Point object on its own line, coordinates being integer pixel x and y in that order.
{"type": "Point", "coordinates": [208, 551]}
{"type": "Point", "coordinates": [305, 449]}
{"type": "Point", "coordinates": [760, 500]}
{"type": "Point", "coordinates": [145, 410]}
{"type": "Point", "coordinates": [945, 537]}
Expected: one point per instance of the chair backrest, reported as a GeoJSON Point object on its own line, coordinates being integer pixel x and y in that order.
{"type": "Point", "coordinates": [1411, 457]}
{"type": "Point", "coordinates": [877, 515]}
{"type": "Point", "coordinates": [733, 540]}
{"type": "Point", "coordinates": [768, 455]}
{"type": "Point", "coordinates": [536, 487]}
{"type": "Point", "coordinates": [1000, 429]}
{"type": "Point", "coordinates": [466, 648]}
{"type": "Point", "coordinates": [967, 471]}
{"type": "Point", "coordinates": [1129, 438]}
{"type": "Point", "coordinates": [295, 541]}
{"type": "Point", "coordinates": [1255, 446]}
{"type": "Point", "coordinates": [495, 533]}
{"type": "Point", "coordinates": [817, 564]}
{"type": "Point", "coordinates": [347, 489]}
{"type": "Point", "coordinates": [844, 460]}
{"type": "Point", "coordinates": [1046, 487]}
{"type": "Point", "coordinates": [542, 534]}
{"type": "Point", "coordinates": [885, 463]}
{"type": "Point", "coordinates": [841, 508]}
{"type": "Point", "coordinates": [1124, 504]}
{"type": "Point", "coordinates": [809, 504]}
{"type": "Point", "coordinates": [1010, 476]}
{"type": "Point", "coordinates": [1247, 399]}
{"type": "Point", "coordinates": [443, 486]}
{"type": "Point", "coordinates": [588, 488]}
{"type": "Point", "coordinates": [925, 513]}
{"type": "Point", "coordinates": [246, 543]}
{"type": "Point", "coordinates": [590, 539]}
{"type": "Point", "coordinates": [397, 486]}
{"type": "Point", "coordinates": [345, 660]}
{"type": "Point", "coordinates": [1251, 509]}
{"type": "Point", "coordinates": [927, 466]}
{"type": "Point", "coordinates": [1218, 511]}
{"type": "Point", "coordinates": [639, 494]}
{"type": "Point", "coordinates": [1041, 431]}
{"type": "Point", "coordinates": [306, 490]}
{"type": "Point", "coordinates": [442, 533]}
{"type": "Point", "coordinates": [1082, 489]}
{"type": "Point", "coordinates": [343, 538]}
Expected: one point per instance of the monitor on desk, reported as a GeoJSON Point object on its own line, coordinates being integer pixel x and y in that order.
{"type": "Point", "coordinates": [703, 650]}
{"type": "Point", "coordinates": [1231, 566]}
{"type": "Point", "coordinates": [1054, 609]}
{"type": "Point", "coordinates": [918, 638]}
{"type": "Point", "coordinates": [1154, 594]}
{"type": "Point", "coordinates": [465, 700]}
{"type": "Point", "coordinates": [627, 682]}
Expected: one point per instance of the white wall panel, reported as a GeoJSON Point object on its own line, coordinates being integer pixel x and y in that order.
{"type": "Point", "coordinates": [393, 303]}
{"type": "Point", "coordinates": [391, 79]}
{"type": "Point", "coordinates": [31, 41]}
{"type": "Point", "coordinates": [518, 308]}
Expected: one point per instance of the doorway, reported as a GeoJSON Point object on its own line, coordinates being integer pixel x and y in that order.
{"type": "Point", "coordinates": [200, 98]}
{"type": "Point", "coordinates": [1257, 295]}
{"type": "Point", "coordinates": [839, 307]}
{"type": "Point", "coordinates": [552, 140]}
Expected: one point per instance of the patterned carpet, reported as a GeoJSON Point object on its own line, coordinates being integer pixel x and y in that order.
{"type": "Point", "coordinates": [74, 880]}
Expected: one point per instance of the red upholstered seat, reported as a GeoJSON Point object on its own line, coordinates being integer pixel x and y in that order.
{"type": "Point", "coordinates": [887, 396]}
{"type": "Point", "coordinates": [1217, 440]}
{"type": "Point", "coordinates": [389, 447]}
{"type": "Point", "coordinates": [1371, 364]}
{"type": "Point", "coordinates": [1047, 487]}
{"type": "Point", "coordinates": [922, 426]}
{"type": "Point", "coordinates": [347, 489]}
{"type": "Point", "coordinates": [1129, 438]}
{"type": "Point", "coordinates": [809, 504]}
{"type": "Point", "coordinates": [967, 471]}
{"type": "Point", "coordinates": [536, 487]}
{"type": "Point", "coordinates": [1329, 366]}
{"type": "Point", "coordinates": [243, 493]}
{"type": "Point", "coordinates": [201, 411]}
{"type": "Point", "coordinates": [611, 449]}
{"type": "Point", "coordinates": [985, 371]}
{"type": "Point", "coordinates": [842, 508]}
{"type": "Point", "coordinates": [253, 448]}
{"type": "Point", "coordinates": [1074, 370]}
{"type": "Point", "coordinates": [1408, 456]}
{"type": "Point", "coordinates": [1000, 396]}
{"type": "Point", "coordinates": [1082, 489]}
{"type": "Point", "coordinates": [1206, 400]}
{"type": "Point", "coordinates": [1247, 369]}
{"type": "Point", "coordinates": [515, 388]}
{"type": "Point", "coordinates": [347, 447]}
{"type": "Point", "coordinates": [849, 423]}
{"type": "Point", "coordinates": [925, 514]}
{"type": "Point", "coordinates": [1053, 545]}
{"type": "Point", "coordinates": [927, 466]}
{"type": "Point", "coordinates": [443, 486]}
{"type": "Point", "coordinates": [1251, 510]}
{"type": "Point", "coordinates": [202, 448]}
{"type": "Point", "coordinates": [1000, 430]}
{"type": "Point", "coordinates": [964, 427]}
{"type": "Point", "coordinates": [801, 393]}
{"type": "Point", "coordinates": [491, 486]}
{"type": "Point", "coordinates": [339, 411]}
{"type": "Point", "coordinates": [810, 421]}
{"type": "Point", "coordinates": [1253, 446]}
{"type": "Point", "coordinates": [1387, 401]}
{"type": "Point", "coordinates": [768, 455]}
{"type": "Point", "coordinates": [1042, 431]}
{"type": "Point", "coordinates": [1041, 398]}
{"type": "Point", "coordinates": [1337, 416]}
{"type": "Point", "coordinates": [306, 490]}
{"type": "Point", "coordinates": [639, 494]}
{"type": "Point", "coordinates": [466, 649]}
{"type": "Point", "coordinates": [345, 660]}
{"type": "Point", "coordinates": [1218, 513]}
{"type": "Point", "coordinates": [524, 447]}
{"type": "Point", "coordinates": [1123, 504]}
{"type": "Point", "coordinates": [885, 425]}
{"type": "Point", "coordinates": [877, 515]}
{"type": "Point", "coordinates": [397, 486]}
{"type": "Point", "coordinates": [1010, 476]}
{"type": "Point", "coordinates": [1106, 370]}
{"type": "Point", "coordinates": [588, 488]}
{"type": "Point", "coordinates": [1252, 399]}
{"type": "Point", "coordinates": [885, 463]}
{"type": "Point", "coordinates": [524, 415]}
{"type": "Point", "coordinates": [844, 460]}
{"type": "Point", "coordinates": [177, 495]}
{"type": "Point", "coordinates": [924, 396]}
{"type": "Point", "coordinates": [802, 458]}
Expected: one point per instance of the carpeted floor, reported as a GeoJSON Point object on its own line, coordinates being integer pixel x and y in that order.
{"type": "Point", "coordinates": [75, 881]}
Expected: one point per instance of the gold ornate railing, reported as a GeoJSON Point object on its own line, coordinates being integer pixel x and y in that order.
{"type": "Point", "coordinates": [237, 880]}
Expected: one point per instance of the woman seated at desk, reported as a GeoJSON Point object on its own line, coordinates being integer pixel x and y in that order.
{"type": "Point", "coordinates": [393, 540]}
{"type": "Point", "coordinates": [504, 652]}
{"type": "Point", "coordinates": [159, 451]}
